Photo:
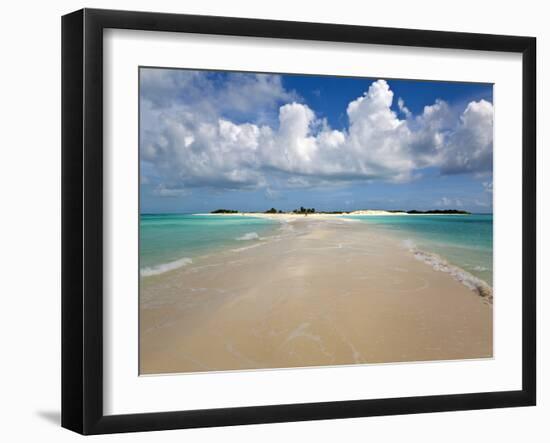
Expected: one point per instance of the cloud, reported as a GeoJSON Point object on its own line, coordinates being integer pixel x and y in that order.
{"type": "Point", "coordinates": [485, 199]}
{"type": "Point", "coordinates": [481, 204]}
{"type": "Point", "coordinates": [447, 202]}
{"type": "Point", "coordinates": [251, 97]}
{"type": "Point", "coordinates": [404, 110]}
{"type": "Point", "coordinates": [162, 191]}
{"type": "Point", "coordinates": [272, 194]}
{"type": "Point", "coordinates": [245, 131]}
{"type": "Point", "coordinates": [470, 147]}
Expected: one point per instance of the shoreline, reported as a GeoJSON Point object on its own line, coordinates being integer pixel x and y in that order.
{"type": "Point", "coordinates": [323, 214]}
{"type": "Point", "coordinates": [431, 258]}
{"type": "Point", "coordinates": [325, 291]}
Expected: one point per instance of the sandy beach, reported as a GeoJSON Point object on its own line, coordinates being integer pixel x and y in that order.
{"type": "Point", "coordinates": [323, 290]}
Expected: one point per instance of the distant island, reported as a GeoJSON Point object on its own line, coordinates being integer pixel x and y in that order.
{"type": "Point", "coordinates": [440, 211]}
{"type": "Point", "coordinates": [305, 211]}
{"type": "Point", "coordinates": [225, 211]}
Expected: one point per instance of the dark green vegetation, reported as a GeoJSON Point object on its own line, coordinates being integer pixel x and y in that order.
{"type": "Point", "coordinates": [224, 211]}
{"type": "Point", "coordinates": [303, 210]}
{"type": "Point", "coordinates": [306, 211]}
{"type": "Point", "coordinates": [440, 211]}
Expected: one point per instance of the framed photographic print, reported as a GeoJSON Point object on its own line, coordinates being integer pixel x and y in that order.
{"type": "Point", "coordinates": [269, 221]}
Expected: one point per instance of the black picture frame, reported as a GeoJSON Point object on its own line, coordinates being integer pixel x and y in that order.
{"type": "Point", "coordinates": [82, 219]}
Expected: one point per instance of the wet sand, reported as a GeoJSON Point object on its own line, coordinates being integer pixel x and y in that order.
{"type": "Point", "coordinates": [322, 291]}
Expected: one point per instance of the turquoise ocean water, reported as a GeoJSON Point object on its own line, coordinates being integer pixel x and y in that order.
{"type": "Point", "coordinates": [169, 241]}
{"type": "Point", "coordinates": [465, 241]}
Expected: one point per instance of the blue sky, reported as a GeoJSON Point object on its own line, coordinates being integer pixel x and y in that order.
{"type": "Point", "coordinates": [249, 141]}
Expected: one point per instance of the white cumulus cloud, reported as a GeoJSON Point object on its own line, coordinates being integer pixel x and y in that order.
{"type": "Point", "coordinates": [247, 131]}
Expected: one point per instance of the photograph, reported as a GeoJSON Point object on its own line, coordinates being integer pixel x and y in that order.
{"type": "Point", "coordinates": [295, 221]}
{"type": "Point", "coordinates": [263, 220]}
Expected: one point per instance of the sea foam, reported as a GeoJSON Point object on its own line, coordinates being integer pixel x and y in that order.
{"type": "Point", "coordinates": [440, 264]}
{"type": "Point", "coordinates": [249, 236]}
{"type": "Point", "coordinates": [165, 267]}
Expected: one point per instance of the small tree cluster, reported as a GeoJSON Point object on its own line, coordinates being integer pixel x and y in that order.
{"type": "Point", "coordinates": [303, 210]}
{"type": "Point", "coordinates": [224, 211]}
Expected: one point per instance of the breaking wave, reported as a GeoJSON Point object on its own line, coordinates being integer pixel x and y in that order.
{"type": "Point", "coordinates": [165, 267]}
{"type": "Point", "coordinates": [440, 264]}
{"type": "Point", "coordinates": [249, 236]}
